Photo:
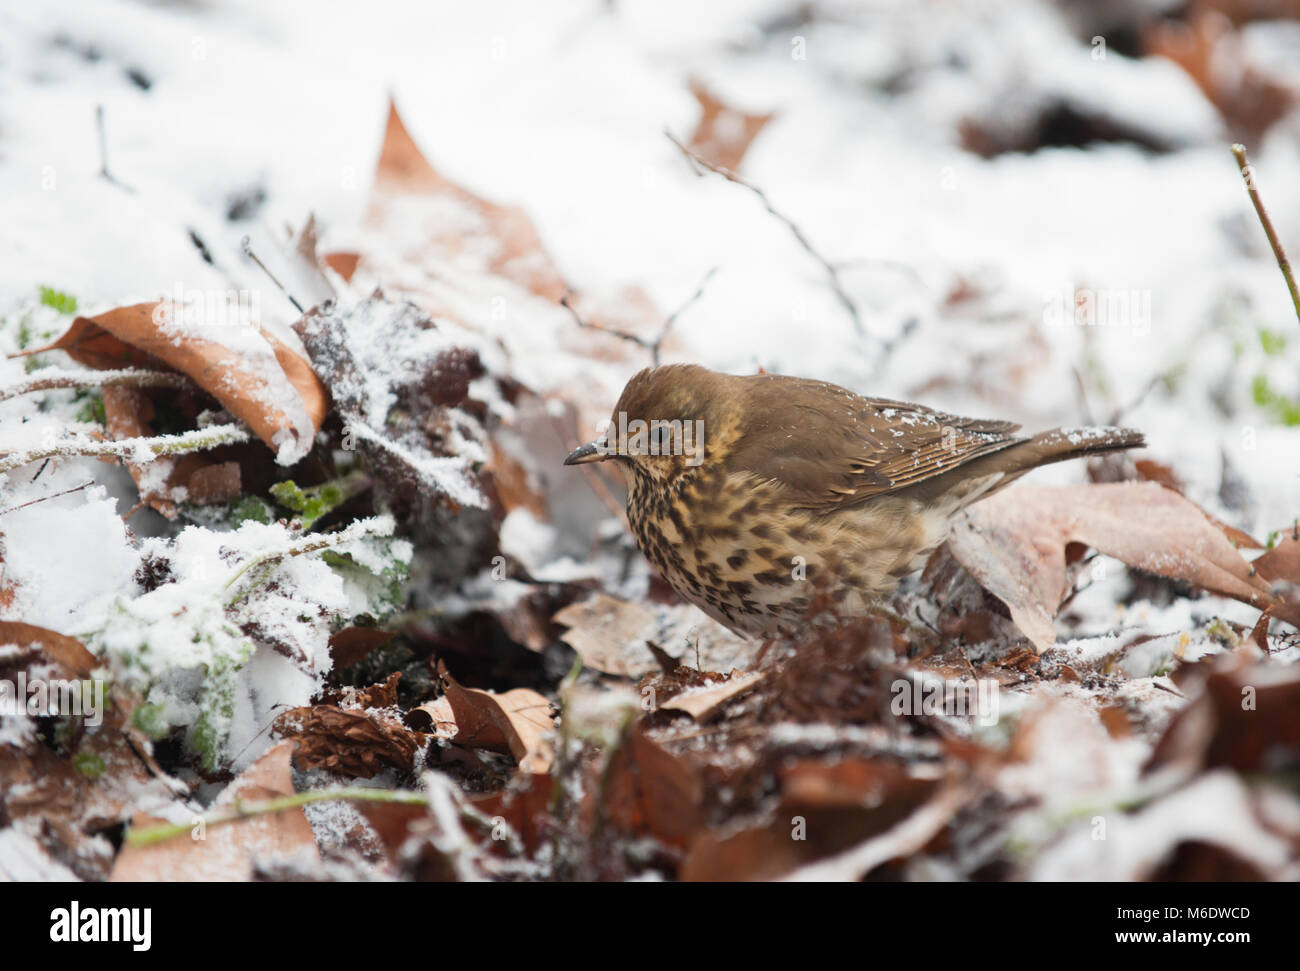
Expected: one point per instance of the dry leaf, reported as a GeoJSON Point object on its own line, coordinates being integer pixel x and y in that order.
{"type": "Point", "coordinates": [230, 851]}
{"type": "Point", "coordinates": [723, 135]}
{"type": "Point", "coordinates": [518, 721]}
{"type": "Point", "coordinates": [705, 701]}
{"type": "Point", "coordinates": [255, 391]}
{"type": "Point", "coordinates": [610, 635]}
{"type": "Point", "coordinates": [359, 742]}
{"type": "Point", "coordinates": [1014, 544]}
{"type": "Point", "coordinates": [460, 225]}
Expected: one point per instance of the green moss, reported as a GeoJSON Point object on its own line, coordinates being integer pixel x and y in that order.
{"type": "Point", "coordinates": [88, 764]}
{"type": "Point", "coordinates": [62, 302]}
{"type": "Point", "coordinates": [251, 508]}
{"type": "Point", "coordinates": [149, 718]}
{"type": "Point", "coordinates": [1273, 342]}
{"type": "Point", "coordinates": [1281, 408]}
{"type": "Point", "coordinates": [91, 407]}
{"type": "Point", "coordinates": [312, 503]}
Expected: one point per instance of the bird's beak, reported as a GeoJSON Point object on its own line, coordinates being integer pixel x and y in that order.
{"type": "Point", "coordinates": [591, 452]}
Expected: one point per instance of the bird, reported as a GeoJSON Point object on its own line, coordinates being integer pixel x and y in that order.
{"type": "Point", "coordinates": [772, 502]}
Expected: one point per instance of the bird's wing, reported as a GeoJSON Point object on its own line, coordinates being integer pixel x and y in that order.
{"type": "Point", "coordinates": [829, 448]}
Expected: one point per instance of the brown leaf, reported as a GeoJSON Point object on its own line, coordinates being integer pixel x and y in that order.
{"type": "Point", "coordinates": [1014, 544]}
{"type": "Point", "coordinates": [243, 386]}
{"type": "Point", "coordinates": [503, 236]}
{"type": "Point", "coordinates": [723, 134]}
{"type": "Point", "coordinates": [90, 344]}
{"type": "Point", "coordinates": [230, 851]}
{"type": "Point", "coordinates": [343, 263]}
{"type": "Point", "coordinates": [1282, 562]}
{"type": "Point", "coordinates": [706, 701]}
{"type": "Point", "coordinates": [356, 743]}
{"type": "Point", "coordinates": [517, 721]}
{"type": "Point", "coordinates": [826, 808]}
{"type": "Point", "coordinates": [525, 804]}
{"type": "Point", "coordinates": [351, 644]}
{"type": "Point", "coordinates": [1246, 718]}
{"type": "Point", "coordinates": [1211, 52]}
{"type": "Point", "coordinates": [206, 477]}
{"type": "Point", "coordinates": [610, 635]}
{"type": "Point", "coordinates": [648, 788]}
{"type": "Point", "coordinates": [67, 652]}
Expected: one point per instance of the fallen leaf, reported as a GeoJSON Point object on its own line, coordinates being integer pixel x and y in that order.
{"type": "Point", "coordinates": [517, 721]}
{"type": "Point", "coordinates": [356, 743]}
{"type": "Point", "coordinates": [1014, 543]}
{"type": "Point", "coordinates": [610, 635]}
{"type": "Point", "coordinates": [703, 702]}
{"type": "Point", "coordinates": [276, 394]}
{"type": "Point", "coordinates": [458, 225]}
{"type": "Point", "coordinates": [352, 644]}
{"type": "Point", "coordinates": [723, 134]}
{"type": "Point", "coordinates": [230, 851]}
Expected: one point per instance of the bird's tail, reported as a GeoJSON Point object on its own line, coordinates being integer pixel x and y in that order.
{"type": "Point", "coordinates": [992, 473]}
{"type": "Point", "coordinates": [1068, 443]}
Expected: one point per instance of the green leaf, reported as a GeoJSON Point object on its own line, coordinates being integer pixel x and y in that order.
{"type": "Point", "coordinates": [251, 507]}
{"type": "Point", "coordinates": [314, 502]}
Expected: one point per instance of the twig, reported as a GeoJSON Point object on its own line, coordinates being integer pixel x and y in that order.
{"type": "Point", "coordinates": [1248, 173]}
{"type": "Point", "coordinates": [47, 378]}
{"type": "Point", "coordinates": [653, 346]}
{"type": "Point", "coordinates": [247, 247]}
{"type": "Point", "coordinates": [594, 479]}
{"type": "Point", "coordinates": [132, 449]}
{"type": "Point", "coordinates": [148, 835]}
{"type": "Point", "coordinates": [103, 152]}
{"type": "Point", "coordinates": [55, 495]}
{"type": "Point", "coordinates": [1141, 396]}
{"type": "Point", "coordinates": [831, 270]}
{"type": "Point", "coordinates": [672, 317]}
{"type": "Point", "coordinates": [363, 527]}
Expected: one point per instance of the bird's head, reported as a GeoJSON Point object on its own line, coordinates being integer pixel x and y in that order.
{"type": "Point", "coordinates": [661, 425]}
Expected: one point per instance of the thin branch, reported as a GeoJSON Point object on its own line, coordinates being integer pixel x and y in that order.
{"type": "Point", "coordinates": [103, 153]}
{"type": "Point", "coordinates": [246, 245]}
{"type": "Point", "coordinates": [376, 525]}
{"type": "Point", "coordinates": [132, 449]}
{"type": "Point", "coordinates": [831, 270]}
{"type": "Point", "coordinates": [653, 346]}
{"type": "Point", "coordinates": [672, 317]}
{"type": "Point", "coordinates": [55, 495]}
{"type": "Point", "coordinates": [149, 835]}
{"type": "Point", "coordinates": [47, 378]}
{"type": "Point", "coordinates": [1248, 173]}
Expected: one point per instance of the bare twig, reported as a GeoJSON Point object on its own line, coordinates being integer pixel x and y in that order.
{"type": "Point", "coordinates": [132, 449]}
{"type": "Point", "coordinates": [247, 246]}
{"type": "Point", "coordinates": [53, 495]}
{"type": "Point", "coordinates": [47, 378]}
{"type": "Point", "coordinates": [831, 270]}
{"type": "Point", "coordinates": [103, 153]}
{"type": "Point", "coordinates": [594, 479]}
{"type": "Point", "coordinates": [653, 346]}
{"type": "Point", "coordinates": [1248, 173]}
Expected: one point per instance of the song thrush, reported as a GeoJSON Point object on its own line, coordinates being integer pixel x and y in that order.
{"type": "Point", "coordinates": [750, 493]}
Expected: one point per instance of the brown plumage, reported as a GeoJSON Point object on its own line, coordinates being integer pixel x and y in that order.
{"type": "Point", "coordinates": [749, 493]}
